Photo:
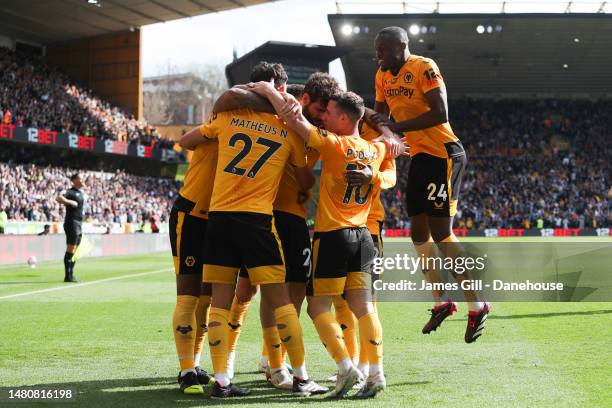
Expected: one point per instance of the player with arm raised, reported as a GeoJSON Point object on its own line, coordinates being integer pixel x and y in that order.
{"type": "Point", "coordinates": [343, 250]}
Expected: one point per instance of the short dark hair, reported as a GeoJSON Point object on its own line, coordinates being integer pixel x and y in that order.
{"type": "Point", "coordinates": [350, 103]}
{"type": "Point", "coordinates": [396, 33]}
{"type": "Point", "coordinates": [266, 71]}
{"type": "Point", "coordinates": [74, 176]}
{"type": "Point", "coordinates": [296, 90]}
{"type": "Point", "coordinates": [321, 85]}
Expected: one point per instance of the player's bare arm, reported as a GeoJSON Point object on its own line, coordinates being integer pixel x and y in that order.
{"type": "Point", "coordinates": [380, 122]}
{"type": "Point", "coordinates": [192, 139]}
{"type": "Point", "coordinates": [239, 97]}
{"type": "Point", "coordinates": [64, 201]}
{"type": "Point", "coordinates": [287, 107]}
{"type": "Point", "coordinates": [377, 118]}
{"type": "Point", "coordinates": [436, 115]}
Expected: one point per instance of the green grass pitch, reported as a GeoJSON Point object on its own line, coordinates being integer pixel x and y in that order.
{"type": "Point", "coordinates": [110, 339]}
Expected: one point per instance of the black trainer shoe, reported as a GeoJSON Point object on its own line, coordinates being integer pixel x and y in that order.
{"type": "Point", "coordinates": [231, 390]}
{"type": "Point", "coordinates": [203, 377]}
{"type": "Point", "coordinates": [438, 314]}
{"type": "Point", "coordinates": [306, 388]}
{"type": "Point", "coordinates": [476, 323]}
{"type": "Point", "coordinates": [189, 384]}
{"type": "Point", "coordinates": [71, 279]}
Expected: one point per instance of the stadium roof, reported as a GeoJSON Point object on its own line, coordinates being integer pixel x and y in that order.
{"type": "Point", "coordinates": [561, 55]}
{"type": "Point", "coordinates": [299, 60]}
{"type": "Point", "coordinates": [49, 21]}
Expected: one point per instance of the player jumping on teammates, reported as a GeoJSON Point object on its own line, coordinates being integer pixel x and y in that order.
{"type": "Point", "coordinates": [411, 89]}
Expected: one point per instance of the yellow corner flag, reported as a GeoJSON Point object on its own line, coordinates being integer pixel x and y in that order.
{"type": "Point", "coordinates": [84, 248]}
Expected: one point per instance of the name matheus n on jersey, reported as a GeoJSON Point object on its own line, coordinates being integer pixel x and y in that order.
{"type": "Point", "coordinates": [258, 127]}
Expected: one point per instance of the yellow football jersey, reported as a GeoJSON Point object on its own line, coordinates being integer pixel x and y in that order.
{"type": "Point", "coordinates": [288, 196]}
{"type": "Point", "coordinates": [405, 95]}
{"type": "Point", "coordinates": [341, 205]}
{"type": "Point", "coordinates": [388, 178]}
{"type": "Point", "coordinates": [200, 177]}
{"type": "Point", "coordinates": [253, 148]}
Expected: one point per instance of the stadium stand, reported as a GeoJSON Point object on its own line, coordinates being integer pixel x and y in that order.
{"type": "Point", "coordinates": [35, 94]}
{"type": "Point", "coordinates": [28, 191]}
{"type": "Point", "coordinates": [531, 164]}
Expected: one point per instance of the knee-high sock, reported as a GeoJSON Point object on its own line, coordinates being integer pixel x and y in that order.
{"type": "Point", "coordinates": [236, 318]}
{"type": "Point", "coordinates": [347, 321]}
{"type": "Point", "coordinates": [67, 264]}
{"type": "Point", "coordinates": [184, 328]}
{"type": "Point", "coordinates": [369, 325]}
{"type": "Point", "coordinates": [218, 333]}
{"type": "Point", "coordinates": [202, 323]}
{"type": "Point", "coordinates": [330, 334]}
{"type": "Point", "coordinates": [290, 332]}
{"type": "Point", "coordinates": [273, 344]}
{"type": "Point", "coordinates": [363, 355]}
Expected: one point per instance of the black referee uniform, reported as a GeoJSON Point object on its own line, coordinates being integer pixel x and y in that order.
{"type": "Point", "coordinates": [72, 228]}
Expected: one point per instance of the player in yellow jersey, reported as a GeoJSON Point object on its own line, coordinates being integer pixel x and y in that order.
{"type": "Point", "coordinates": [289, 214]}
{"type": "Point", "coordinates": [411, 89]}
{"type": "Point", "coordinates": [188, 219]}
{"type": "Point", "coordinates": [381, 179]}
{"type": "Point", "coordinates": [253, 151]}
{"type": "Point", "coordinates": [343, 250]}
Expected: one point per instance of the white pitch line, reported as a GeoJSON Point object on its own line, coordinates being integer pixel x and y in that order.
{"type": "Point", "coordinates": [78, 285]}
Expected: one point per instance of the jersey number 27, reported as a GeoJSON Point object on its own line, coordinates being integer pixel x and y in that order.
{"type": "Point", "coordinates": [247, 145]}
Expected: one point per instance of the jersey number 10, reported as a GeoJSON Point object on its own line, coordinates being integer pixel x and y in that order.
{"type": "Point", "coordinates": [348, 193]}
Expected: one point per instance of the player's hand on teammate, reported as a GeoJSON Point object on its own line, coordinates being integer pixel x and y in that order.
{"type": "Point", "coordinates": [406, 151]}
{"type": "Point", "coordinates": [379, 119]}
{"type": "Point", "coordinates": [262, 88]}
{"type": "Point", "coordinates": [291, 110]}
{"type": "Point", "coordinates": [395, 145]}
{"type": "Point", "coordinates": [362, 175]}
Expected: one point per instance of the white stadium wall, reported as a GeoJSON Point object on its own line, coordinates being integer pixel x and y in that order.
{"type": "Point", "coordinates": [16, 249]}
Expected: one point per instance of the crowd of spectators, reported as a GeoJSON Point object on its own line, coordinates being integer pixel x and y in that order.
{"type": "Point", "coordinates": [531, 164]}
{"type": "Point", "coordinates": [28, 192]}
{"type": "Point", "coordinates": [35, 94]}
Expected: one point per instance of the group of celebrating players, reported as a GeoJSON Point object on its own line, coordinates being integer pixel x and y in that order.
{"type": "Point", "coordinates": [239, 222]}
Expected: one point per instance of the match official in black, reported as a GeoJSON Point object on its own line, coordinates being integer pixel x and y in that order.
{"type": "Point", "coordinates": [73, 200]}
